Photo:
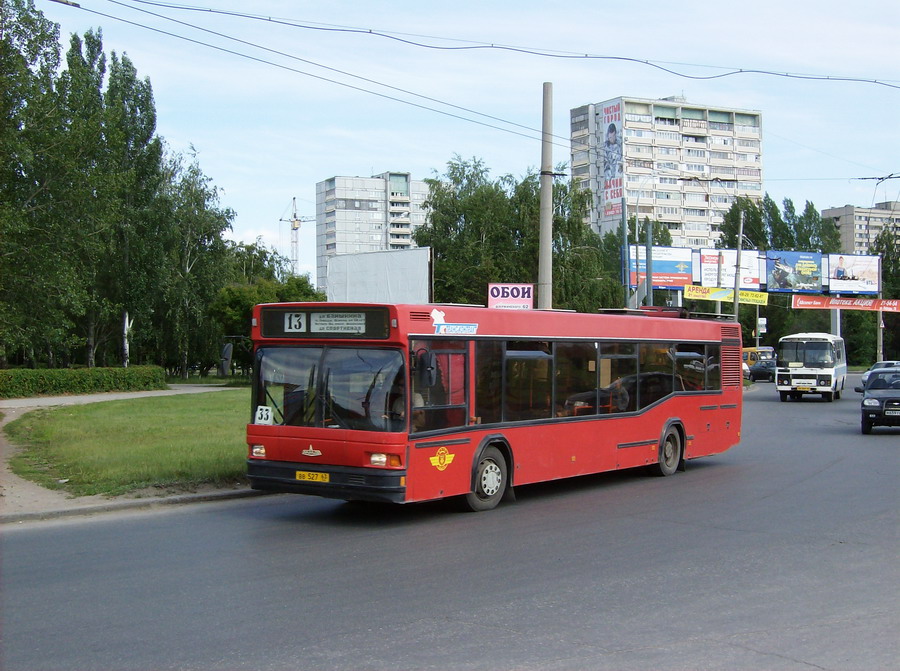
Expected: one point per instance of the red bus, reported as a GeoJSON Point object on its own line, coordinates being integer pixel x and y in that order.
{"type": "Point", "coordinates": [407, 403]}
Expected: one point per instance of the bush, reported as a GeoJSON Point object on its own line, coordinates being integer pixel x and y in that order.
{"type": "Point", "coordinates": [26, 382]}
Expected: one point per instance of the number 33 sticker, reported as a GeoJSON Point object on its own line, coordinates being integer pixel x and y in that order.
{"type": "Point", "coordinates": [263, 415]}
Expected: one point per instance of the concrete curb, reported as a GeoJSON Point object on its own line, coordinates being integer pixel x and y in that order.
{"type": "Point", "coordinates": [128, 504]}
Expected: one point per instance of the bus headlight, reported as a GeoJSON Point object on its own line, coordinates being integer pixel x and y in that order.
{"type": "Point", "coordinates": [258, 451]}
{"type": "Point", "coordinates": [382, 459]}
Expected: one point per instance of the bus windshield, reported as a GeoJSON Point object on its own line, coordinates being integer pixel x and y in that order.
{"type": "Point", "coordinates": [334, 387]}
{"type": "Point", "coordinates": [814, 354]}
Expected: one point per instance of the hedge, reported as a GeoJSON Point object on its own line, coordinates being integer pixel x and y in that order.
{"type": "Point", "coordinates": [27, 382]}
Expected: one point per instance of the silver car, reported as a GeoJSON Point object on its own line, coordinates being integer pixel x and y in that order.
{"type": "Point", "coordinates": [877, 364]}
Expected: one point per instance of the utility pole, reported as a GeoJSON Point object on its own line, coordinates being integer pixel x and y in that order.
{"type": "Point", "coordinates": [737, 266]}
{"type": "Point", "coordinates": [545, 253]}
{"type": "Point", "coordinates": [626, 254]}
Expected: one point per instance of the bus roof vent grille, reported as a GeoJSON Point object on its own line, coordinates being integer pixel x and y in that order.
{"type": "Point", "coordinates": [420, 316]}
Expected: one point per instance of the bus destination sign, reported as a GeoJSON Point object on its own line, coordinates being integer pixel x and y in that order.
{"type": "Point", "coordinates": [311, 323]}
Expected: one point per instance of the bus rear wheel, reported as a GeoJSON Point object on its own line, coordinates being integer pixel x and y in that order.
{"type": "Point", "coordinates": [491, 480]}
{"type": "Point", "coordinates": [669, 454]}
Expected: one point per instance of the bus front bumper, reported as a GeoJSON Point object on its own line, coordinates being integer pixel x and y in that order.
{"type": "Point", "coordinates": [333, 482]}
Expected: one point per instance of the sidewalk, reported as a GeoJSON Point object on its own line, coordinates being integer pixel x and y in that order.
{"type": "Point", "coordinates": [22, 500]}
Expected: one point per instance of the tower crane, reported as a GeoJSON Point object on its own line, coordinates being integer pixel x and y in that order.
{"type": "Point", "coordinates": [295, 222]}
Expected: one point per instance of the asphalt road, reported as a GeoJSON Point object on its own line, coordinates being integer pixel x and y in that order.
{"type": "Point", "coordinates": [779, 554]}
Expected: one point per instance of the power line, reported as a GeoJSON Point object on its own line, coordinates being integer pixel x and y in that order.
{"type": "Point", "coordinates": [309, 74]}
{"type": "Point", "coordinates": [338, 71]}
{"type": "Point", "coordinates": [537, 132]}
{"type": "Point", "coordinates": [544, 53]}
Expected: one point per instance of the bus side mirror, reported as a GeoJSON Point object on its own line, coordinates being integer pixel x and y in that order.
{"type": "Point", "coordinates": [426, 369]}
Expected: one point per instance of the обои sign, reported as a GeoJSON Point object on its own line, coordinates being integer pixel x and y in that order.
{"type": "Point", "coordinates": [511, 296]}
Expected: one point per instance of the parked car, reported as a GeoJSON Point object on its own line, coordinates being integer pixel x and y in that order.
{"type": "Point", "coordinates": [881, 398]}
{"type": "Point", "coordinates": [763, 369]}
{"type": "Point", "coordinates": [878, 364]}
{"type": "Point", "coordinates": [746, 371]}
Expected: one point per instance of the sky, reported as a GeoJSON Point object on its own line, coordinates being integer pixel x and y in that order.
{"type": "Point", "coordinates": [274, 96]}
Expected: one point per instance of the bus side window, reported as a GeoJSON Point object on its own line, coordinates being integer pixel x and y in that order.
{"type": "Point", "coordinates": [440, 397]}
{"type": "Point", "coordinates": [713, 368]}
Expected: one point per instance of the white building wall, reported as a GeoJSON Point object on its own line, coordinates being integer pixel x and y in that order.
{"type": "Point", "coordinates": [366, 214]}
{"type": "Point", "coordinates": [681, 163]}
{"type": "Point", "coordinates": [859, 226]}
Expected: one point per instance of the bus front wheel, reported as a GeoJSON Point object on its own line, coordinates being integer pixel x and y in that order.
{"type": "Point", "coordinates": [491, 480]}
{"type": "Point", "coordinates": [669, 454]}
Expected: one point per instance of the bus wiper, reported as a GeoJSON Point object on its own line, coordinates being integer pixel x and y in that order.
{"type": "Point", "coordinates": [275, 405]}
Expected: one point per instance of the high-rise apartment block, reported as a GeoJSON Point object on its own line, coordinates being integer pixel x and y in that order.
{"type": "Point", "coordinates": [859, 226]}
{"type": "Point", "coordinates": [366, 214]}
{"type": "Point", "coordinates": [668, 160]}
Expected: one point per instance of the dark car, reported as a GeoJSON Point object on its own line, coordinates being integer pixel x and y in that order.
{"type": "Point", "coordinates": [622, 395]}
{"type": "Point", "coordinates": [763, 370]}
{"type": "Point", "coordinates": [881, 399]}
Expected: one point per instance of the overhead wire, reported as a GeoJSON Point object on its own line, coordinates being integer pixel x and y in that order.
{"type": "Point", "coordinates": [564, 142]}
{"type": "Point", "coordinates": [545, 53]}
{"type": "Point", "coordinates": [310, 74]}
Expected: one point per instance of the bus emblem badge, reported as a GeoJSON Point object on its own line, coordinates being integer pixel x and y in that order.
{"type": "Point", "coordinates": [442, 459]}
{"type": "Point", "coordinates": [311, 452]}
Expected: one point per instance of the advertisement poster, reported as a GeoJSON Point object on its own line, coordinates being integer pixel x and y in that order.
{"type": "Point", "coordinates": [511, 296]}
{"type": "Point", "coordinates": [671, 266]}
{"type": "Point", "coordinates": [717, 268]}
{"type": "Point", "coordinates": [610, 151]}
{"type": "Point", "coordinates": [794, 272]}
{"type": "Point", "coordinates": [853, 274]}
{"type": "Point", "coordinates": [831, 303]}
{"type": "Point", "coordinates": [723, 295]}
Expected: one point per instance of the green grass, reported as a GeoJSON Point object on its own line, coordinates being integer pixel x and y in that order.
{"type": "Point", "coordinates": [117, 447]}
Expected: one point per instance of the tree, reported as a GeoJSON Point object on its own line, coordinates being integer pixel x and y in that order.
{"type": "Point", "coordinates": [482, 230]}
{"type": "Point", "coordinates": [886, 246]}
{"type": "Point", "coordinates": [752, 227]}
{"type": "Point", "coordinates": [34, 301]}
{"type": "Point", "coordinates": [197, 261]}
{"type": "Point", "coordinates": [778, 234]}
{"type": "Point", "coordinates": [134, 162]}
{"type": "Point", "coordinates": [581, 279]}
{"type": "Point", "coordinates": [256, 261]}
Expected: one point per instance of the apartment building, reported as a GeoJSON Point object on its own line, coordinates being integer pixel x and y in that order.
{"type": "Point", "coordinates": [859, 226]}
{"type": "Point", "coordinates": [366, 214]}
{"type": "Point", "coordinates": [680, 163]}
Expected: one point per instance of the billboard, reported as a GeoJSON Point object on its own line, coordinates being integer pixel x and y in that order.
{"type": "Point", "coordinates": [717, 268]}
{"type": "Point", "coordinates": [671, 266]}
{"type": "Point", "coordinates": [609, 141]}
{"type": "Point", "coordinates": [722, 295]}
{"type": "Point", "coordinates": [396, 276]}
{"type": "Point", "coordinates": [794, 272]}
{"type": "Point", "coordinates": [832, 303]}
{"type": "Point", "coordinates": [853, 274]}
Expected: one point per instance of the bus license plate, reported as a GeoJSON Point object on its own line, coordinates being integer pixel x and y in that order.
{"type": "Point", "coordinates": [804, 389]}
{"type": "Point", "coordinates": [312, 476]}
